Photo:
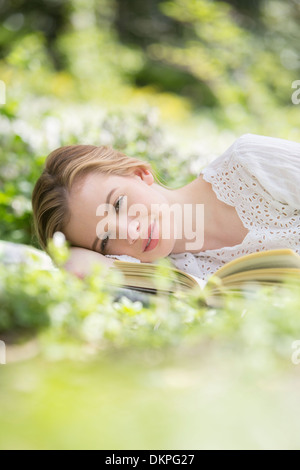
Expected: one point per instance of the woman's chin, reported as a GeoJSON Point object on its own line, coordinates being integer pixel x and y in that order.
{"type": "Point", "coordinates": [156, 255]}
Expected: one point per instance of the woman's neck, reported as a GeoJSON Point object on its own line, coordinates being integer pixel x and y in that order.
{"type": "Point", "coordinates": [198, 216]}
{"type": "Point", "coordinates": [219, 225]}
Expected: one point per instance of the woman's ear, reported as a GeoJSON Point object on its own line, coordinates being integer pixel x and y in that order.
{"type": "Point", "coordinates": [144, 175]}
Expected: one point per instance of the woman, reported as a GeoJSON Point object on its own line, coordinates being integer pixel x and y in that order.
{"type": "Point", "coordinates": [250, 196]}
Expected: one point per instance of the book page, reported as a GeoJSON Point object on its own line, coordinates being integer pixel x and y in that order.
{"type": "Point", "coordinates": [284, 258]}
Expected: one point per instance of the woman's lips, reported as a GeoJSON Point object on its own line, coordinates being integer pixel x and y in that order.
{"type": "Point", "coordinates": [154, 233]}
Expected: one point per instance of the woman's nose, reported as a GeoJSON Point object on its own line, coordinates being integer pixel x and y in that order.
{"type": "Point", "coordinates": [129, 229]}
{"type": "Point", "coordinates": [133, 231]}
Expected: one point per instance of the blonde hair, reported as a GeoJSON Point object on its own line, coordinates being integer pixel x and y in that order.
{"type": "Point", "coordinates": [63, 167]}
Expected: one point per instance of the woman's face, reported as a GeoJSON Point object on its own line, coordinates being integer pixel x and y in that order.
{"type": "Point", "coordinates": [126, 227]}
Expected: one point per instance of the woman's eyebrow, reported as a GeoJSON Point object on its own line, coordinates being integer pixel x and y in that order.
{"type": "Point", "coordinates": [109, 195]}
{"type": "Point", "coordinates": [107, 203]}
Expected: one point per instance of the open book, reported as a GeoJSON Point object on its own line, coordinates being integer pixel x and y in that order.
{"type": "Point", "coordinates": [265, 267]}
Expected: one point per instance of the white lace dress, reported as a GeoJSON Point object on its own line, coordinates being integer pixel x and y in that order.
{"type": "Point", "coordinates": [260, 177]}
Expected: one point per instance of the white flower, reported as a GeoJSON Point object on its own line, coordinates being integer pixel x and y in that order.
{"type": "Point", "coordinates": [59, 239]}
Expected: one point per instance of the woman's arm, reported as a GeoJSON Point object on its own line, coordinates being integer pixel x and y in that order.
{"type": "Point", "coordinates": [81, 261]}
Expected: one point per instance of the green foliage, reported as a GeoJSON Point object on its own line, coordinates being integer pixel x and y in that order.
{"type": "Point", "coordinates": [172, 82]}
{"type": "Point", "coordinates": [85, 310]}
{"type": "Point", "coordinates": [223, 375]}
{"type": "Point", "coordinates": [228, 58]}
{"type": "Point", "coordinates": [18, 173]}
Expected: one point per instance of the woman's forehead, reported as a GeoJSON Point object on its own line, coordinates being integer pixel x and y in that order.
{"type": "Point", "coordinates": [99, 179]}
{"type": "Point", "coordinates": [95, 187]}
{"type": "Point", "coordinates": [86, 185]}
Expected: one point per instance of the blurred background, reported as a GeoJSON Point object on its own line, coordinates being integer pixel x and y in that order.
{"type": "Point", "coordinates": [173, 82]}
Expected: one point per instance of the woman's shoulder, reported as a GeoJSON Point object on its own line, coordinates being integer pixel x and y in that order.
{"type": "Point", "coordinates": [273, 162]}
{"type": "Point", "coordinates": [259, 153]}
{"type": "Point", "coordinates": [243, 146]}
{"type": "Point", "coordinates": [265, 145]}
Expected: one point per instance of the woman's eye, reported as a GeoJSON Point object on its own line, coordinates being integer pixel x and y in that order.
{"type": "Point", "coordinates": [104, 243]}
{"type": "Point", "coordinates": [119, 203]}
{"type": "Point", "coordinates": [106, 239]}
